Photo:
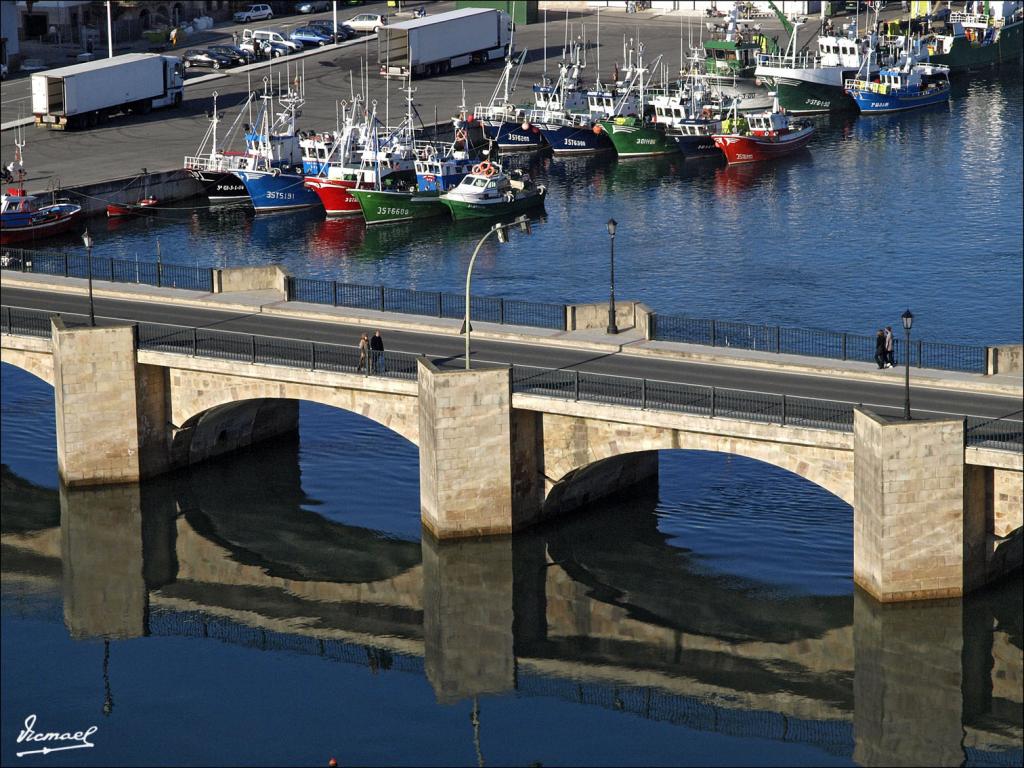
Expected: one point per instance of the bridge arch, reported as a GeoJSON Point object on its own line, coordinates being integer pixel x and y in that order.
{"type": "Point", "coordinates": [39, 364]}
{"type": "Point", "coordinates": [575, 448]}
{"type": "Point", "coordinates": [393, 404]}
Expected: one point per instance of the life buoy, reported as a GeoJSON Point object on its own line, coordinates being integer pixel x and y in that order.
{"type": "Point", "coordinates": [490, 171]}
{"type": "Point", "coordinates": [485, 168]}
{"type": "Point", "coordinates": [598, 129]}
{"type": "Point", "coordinates": [478, 168]}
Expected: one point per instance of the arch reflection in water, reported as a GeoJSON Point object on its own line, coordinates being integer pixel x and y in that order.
{"type": "Point", "coordinates": [600, 610]}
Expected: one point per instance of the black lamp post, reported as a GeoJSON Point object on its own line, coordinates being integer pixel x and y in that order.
{"type": "Point", "coordinates": [908, 320]}
{"type": "Point", "coordinates": [612, 327]}
{"type": "Point", "coordinates": [87, 239]}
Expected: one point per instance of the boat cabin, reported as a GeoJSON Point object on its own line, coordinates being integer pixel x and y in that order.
{"type": "Point", "coordinates": [14, 201]}
{"type": "Point", "coordinates": [839, 52]}
{"type": "Point", "coordinates": [483, 187]}
{"type": "Point", "coordinates": [768, 123]}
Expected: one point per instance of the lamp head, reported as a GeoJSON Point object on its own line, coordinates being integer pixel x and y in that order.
{"type": "Point", "coordinates": [501, 230]}
{"type": "Point", "coordinates": [87, 239]}
{"type": "Point", "coordinates": [612, 225]}
{"type": "Point", "coordinates": [908, 320]}
{"type": "Point", "coordinates": [524, 225]}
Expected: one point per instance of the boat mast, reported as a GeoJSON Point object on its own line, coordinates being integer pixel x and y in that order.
{"type": "Point", "coordinates": [597, 80]}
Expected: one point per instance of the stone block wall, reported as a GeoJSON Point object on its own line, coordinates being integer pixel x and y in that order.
{"type": "Point", "coordinates": [465, 451]}
{"type": "Point", "coordinates": [1007, 501]}
{"type": "Point", "coordinates": [913, 536]}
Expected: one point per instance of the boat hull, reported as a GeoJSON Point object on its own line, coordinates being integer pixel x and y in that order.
{"type": "Point", "coordinates": [512, 136]}
{"type": "Point", "coordinates": [633, 139]}
{"type": "Point", "coordinates": [753, 149]}
{"type": "Point", "coordinates": [871, 103]}
{"type": "Point", "coordinates": [574, 139]}
{"type": "Point", "coordinates": [805, 97]}
{"type": "Point", "coordinates": [221, 187]}
{"type": "Point", "coordinates": [697, 146]}
{"type": "Point", "coordinates": [271, 192]}
{"type": "Point", "coordinates": [384, 207]}
{"type": "Point", "coordinates": [42, 227]}
{"type": "Point", "coordinates": [334, 195]}
{"type": "Point", "coordinates": [964, 56]}
{"type": "Point", "coordinates": [462, 210]}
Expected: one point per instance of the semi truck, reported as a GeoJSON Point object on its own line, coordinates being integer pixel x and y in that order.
{"type": "Point", "coordinates": [434, 44]}
{"type": "Point", "coordinates": [81, 95]}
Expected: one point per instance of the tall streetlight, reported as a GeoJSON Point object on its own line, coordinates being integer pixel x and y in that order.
{"type": "Point", "coordinates": [501, 230]}
{"type": "Point", "coordinates": [612, 327]}
{"type": "Point", "coordinates": [87, 239]}
{"type": "Point", "coordinates": [908, 320]}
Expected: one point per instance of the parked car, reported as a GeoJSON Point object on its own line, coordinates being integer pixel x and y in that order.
{"type": "Point", "coordinates": [310, 36]}
{"type": "Point", "coordinates": [367, 22]}
{"type": "Point", "coordinates": [262, 48]}
{"type": "Point", "coordinates": [233, 52]}
{"type": "Point", "coordinates": [270, 36]}
{"type": "Point", "coordinates": [201, 57]}
{"type": "Point", "coordinates": [341, 34]}
{"type": "Point", "coordinates": [313, 6]}
{"type": "Point", "coordinates": [260, 12]}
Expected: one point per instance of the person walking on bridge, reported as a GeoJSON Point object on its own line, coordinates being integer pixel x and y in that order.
{"type": "Point", "coordinates": [364, 348]}
{"type": "Point", "coordinates": [880, 348]}
{"type": "Point", "coordinates": [377, 364]}
{"type": "Point", "coordinates": [890, 348]}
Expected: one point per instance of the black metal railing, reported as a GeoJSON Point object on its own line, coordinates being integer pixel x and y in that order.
{"type": "Point", "coordinates": [26, 322]}
{"type": "Point", "coordinates": [810, 342]}
{"type": "Point", "coordinates": [69, 264]}
{"type": "Point", "coordinates": [813, 342]}
{"type": "Point", "coordinates": [487, 309]}
{"type": "Point", "coordinates": [652, 394]}
{"type": "Point", "coordinates": [1003, 433]}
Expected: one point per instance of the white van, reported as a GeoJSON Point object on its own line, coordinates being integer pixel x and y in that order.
{"type": "Point", "coordinates": [269, 36]}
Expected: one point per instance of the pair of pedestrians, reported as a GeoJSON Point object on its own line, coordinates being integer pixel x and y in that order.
{"type": "Point", "coordinates": [371, 354]}
{"type": "Point", "coordinates": [885, 348]}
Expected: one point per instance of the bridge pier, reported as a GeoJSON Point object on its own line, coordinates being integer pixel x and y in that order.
{"type": "Point", "coordinates": [918, 527]}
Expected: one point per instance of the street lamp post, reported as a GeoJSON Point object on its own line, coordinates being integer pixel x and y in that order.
{"type": "Point", "coordinates": [908, 320]}
{"type": "Point", "coordinates": [501, 230]}
{"type": "Point", "coordinates": [87, 239]}
{"type": "Point", "coordinates": [612, 327]}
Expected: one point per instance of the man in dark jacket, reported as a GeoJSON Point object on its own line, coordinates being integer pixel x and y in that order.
{"type": "Point", "coordinates": [377, 353]}
{"type": "Point", "coordinates": [879, 348]}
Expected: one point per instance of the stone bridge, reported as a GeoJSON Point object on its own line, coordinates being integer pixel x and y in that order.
{"type": "Point", "coordinates": [932, 517]}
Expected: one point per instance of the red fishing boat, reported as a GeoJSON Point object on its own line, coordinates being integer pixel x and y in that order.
{"type": "Point", "coordinates": [140, 206]}
{"type": "Point", "coordinates": [762, 135]}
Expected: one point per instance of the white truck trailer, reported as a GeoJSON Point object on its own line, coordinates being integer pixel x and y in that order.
{"type": "Point", "coordinates": [81, 95]}
{"type": "Point", "coordinates": [435, 44]}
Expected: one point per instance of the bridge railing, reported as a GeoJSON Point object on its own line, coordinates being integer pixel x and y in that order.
{"type": "Point", "coordinates": [813, 342]}
{"type": "Point", "coordinates": [701, 400]}
{"type": "Point", "coordinates": [70, 264]}
{"type": "Point", "coordinates": [487, 309]}
{"type": "Point", "coordinates": [649, 394]}
{"type": "Point", "coordinates": [273, 350]}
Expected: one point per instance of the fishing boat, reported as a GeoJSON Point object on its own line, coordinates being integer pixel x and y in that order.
{"type": "Point", "coordinates": [731, 52]}
{"type": "Point", "coordinates": [505, 124]}
{"type": "Point", "coordinates": [439, 168]}
{"type": "Point", "coordinates": [272, 169]}
{"type": "Point", "coordinates": [642, 135]}
{"type": "Point", "coordinates": [901, 88]}
{"type": "Point", "coordinates": [762, 136]}
{"type": "Point", "coordinates": [213, 166]}
{"type": "Point", "coordinates": [987, 34]}
{"type": "Point", "coordinates": [489, 191]}
{"type": "Point", "coordinates": [145, 202]}
{"type": "Point", "coordinates": [23, 219]}
{"type": "Point", "coordinates": [361, 158]}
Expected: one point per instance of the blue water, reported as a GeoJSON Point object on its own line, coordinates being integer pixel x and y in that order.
{"type": "Point", "coordinates": [294, 611]}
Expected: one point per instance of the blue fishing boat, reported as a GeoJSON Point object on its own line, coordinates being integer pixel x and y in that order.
{"type": "Point", "coordinates": [272, 168]}
{"type": "Point", "coordinates": [506, 124]}
{"type": "Point", "coordinates": [897, 89]}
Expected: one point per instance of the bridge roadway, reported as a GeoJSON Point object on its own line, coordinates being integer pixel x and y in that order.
{"type": "Point", "coordinates": [447, 350]}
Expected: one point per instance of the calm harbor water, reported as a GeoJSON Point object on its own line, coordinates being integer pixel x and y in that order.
{"type": "Point", "coordinates": [281, 606]}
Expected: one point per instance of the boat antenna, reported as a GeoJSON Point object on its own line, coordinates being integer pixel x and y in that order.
{"type": "Point", "coordinates": [545, 73]}
{"type": "Point", "coordinates": [565, 39]}
{"type": "Point", "coordinates": [597, 79]}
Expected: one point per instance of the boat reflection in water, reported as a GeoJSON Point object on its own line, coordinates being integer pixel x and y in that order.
{"type": "Point", "coordinates": [599, 610]}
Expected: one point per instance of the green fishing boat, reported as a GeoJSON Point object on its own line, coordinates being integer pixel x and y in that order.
{"type": "Point", "coordinates": [635, 137]}
{"type": "Point", "coordinates": [386, 206]}
{"type": "Point", "coordinates": [489, 191]}
{"type": "Point", "coordinates": [979, 40]}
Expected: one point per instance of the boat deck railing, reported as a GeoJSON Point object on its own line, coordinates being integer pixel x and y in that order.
{"type": "Point", "coordinates": [970, 19]}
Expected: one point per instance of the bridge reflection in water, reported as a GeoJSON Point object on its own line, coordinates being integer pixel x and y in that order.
{"type": "Point", "coordinates": [600, 611]}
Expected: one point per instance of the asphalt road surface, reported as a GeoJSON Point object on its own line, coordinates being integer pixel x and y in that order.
{"type": "Point", "coordinates": [887, 398]}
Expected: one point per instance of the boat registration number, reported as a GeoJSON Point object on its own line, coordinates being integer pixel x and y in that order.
{"type": "Point", "coordinates": [575, 143]}
{"type": "Point", "coordinates": [272, 195]}
{"type": "Point", "coordinates": [517, 137]}
{"type": "Point", "coordinates": [645, 141]}
{"type": "Point", "coordinates": [382, 211]}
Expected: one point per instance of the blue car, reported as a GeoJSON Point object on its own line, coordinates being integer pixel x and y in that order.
{"type": "Point", "coordinates": [308, 36]}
